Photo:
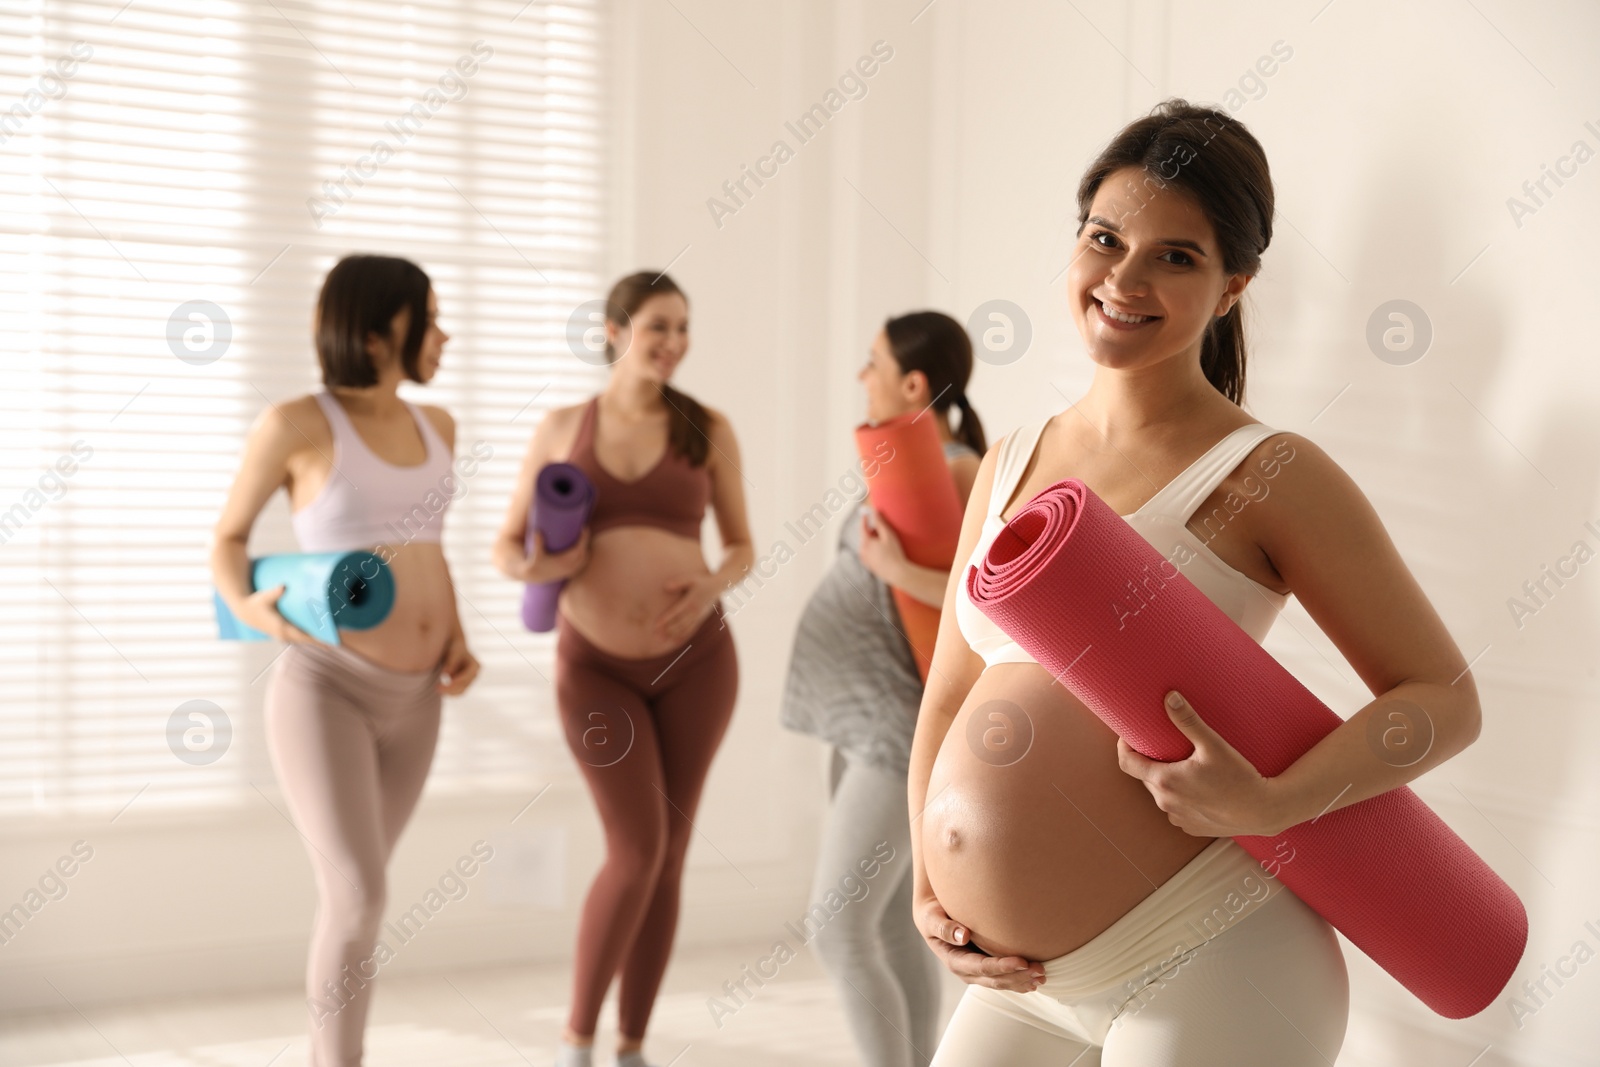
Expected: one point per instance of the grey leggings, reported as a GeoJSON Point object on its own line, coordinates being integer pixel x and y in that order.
{"type": "Point", "coordinates": [887, 977]}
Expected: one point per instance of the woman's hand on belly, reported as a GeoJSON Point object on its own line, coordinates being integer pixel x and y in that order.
{"type": "Point", "coordinates": [972, 965]}
{"type": "Point", "coordinates": [619, 599]}
{"type": "Point", "coordinates": [1215, 791]}
{"type": "Point", "coordinates": [1032, 836]}
{"type": "Point", "coordinates": [693, 595]}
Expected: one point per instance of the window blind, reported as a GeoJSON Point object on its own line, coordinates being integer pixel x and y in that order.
{"type": "Point", "coordinates": [176, 177]}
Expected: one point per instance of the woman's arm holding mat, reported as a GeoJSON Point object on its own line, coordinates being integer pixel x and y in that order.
{"type": "Point", "coordinates": [882, 555]}
{"type": "Point", "coordinates": [1326, 541]}
{"type": "Point", "coordinates": [263, 470]}
{"type": "Point", "coordinates": [509, 552]}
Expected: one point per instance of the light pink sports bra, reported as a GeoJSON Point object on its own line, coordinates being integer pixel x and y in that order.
{"type": "Point", "coordinates": [368, 501]}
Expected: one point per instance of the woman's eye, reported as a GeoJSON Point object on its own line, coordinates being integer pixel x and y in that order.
{"type": "Point", "coordinates": [1185, 261]}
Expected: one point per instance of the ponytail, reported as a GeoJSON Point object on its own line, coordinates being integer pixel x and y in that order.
{"type": "Point", "coordinates": [1222, 353]}
{"type": "Point", "coordinates": [688, 425]}
{"type": "Point", "coordinates": [970, 432]}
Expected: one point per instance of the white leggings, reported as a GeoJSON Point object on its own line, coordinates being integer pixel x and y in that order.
{"type": "Point", "coordinates": [1220, 966]}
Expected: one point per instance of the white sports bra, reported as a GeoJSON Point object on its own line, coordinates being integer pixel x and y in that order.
{"type": "Point", "coordinates": [1161, 521]}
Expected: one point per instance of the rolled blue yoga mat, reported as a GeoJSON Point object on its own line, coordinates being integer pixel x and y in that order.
{"type": "Point", "coordinates": [563, 496]}
{"type": "Point", "coordinates": [323, 592]}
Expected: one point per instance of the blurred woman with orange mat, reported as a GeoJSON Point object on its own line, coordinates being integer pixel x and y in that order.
{"type": "Point", "coordinates": [853, 682]}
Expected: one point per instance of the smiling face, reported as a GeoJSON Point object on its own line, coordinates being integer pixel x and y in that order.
{"type": "Point", "coordinates": [655, 338]}
{"type": "Point", "coordinates": [1146, 277]}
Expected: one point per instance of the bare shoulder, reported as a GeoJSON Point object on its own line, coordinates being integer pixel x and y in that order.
{"type": "Point", "coordinates": [442, 421]}
{"type": "Point", "coordinates": [567, 413]}
{"type": "Point", "coordinates": [1297, 469]}
{"type": "Point", "coordinates": [291, 425]}
{"type": "Point", "coordinates": [556, 432]}
{"type": "Point", "coordinates": [561, 423]}
{"type": "Point", "coordinates": [718, 426]}
{"type": "Point", "coordinates": [1311, 506]}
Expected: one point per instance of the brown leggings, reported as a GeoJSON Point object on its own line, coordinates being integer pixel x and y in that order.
{"type": "Point", "coordinates": [644, 732]}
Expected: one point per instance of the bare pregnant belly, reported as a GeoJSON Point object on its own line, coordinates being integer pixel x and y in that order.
{"type": "Point", "coordinates": [617, 597]}
{"type": "Point", "coordinates": [413, 635]}
{"type": "Point", "coordinates": [1034, 838]}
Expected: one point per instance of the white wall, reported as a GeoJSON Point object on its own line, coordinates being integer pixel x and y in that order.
{"type": "Point", "coordinates": [1396, 136]}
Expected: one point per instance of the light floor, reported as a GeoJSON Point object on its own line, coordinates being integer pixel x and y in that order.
{"type": "Point", "coordinates": [501, 1017]}
{"type": "Point", "coordinates": [511, 1016]}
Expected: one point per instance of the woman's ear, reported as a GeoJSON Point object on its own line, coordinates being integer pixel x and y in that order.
{"type": "Point", "coordinates": [914, 383]}
{"type": "Point", "coordinates": [1232, 294]}
{"type": "Point", "coordinates": [385, 350]}
{"type": "Point", "coordinates": [377, 348]}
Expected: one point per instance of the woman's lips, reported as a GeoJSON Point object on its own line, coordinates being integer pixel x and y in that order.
{"type": "Point", "coordinates": [1112, 323]}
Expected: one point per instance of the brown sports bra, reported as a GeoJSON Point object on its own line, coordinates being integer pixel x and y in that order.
{"type": "Point", "coordinates": [672, 495]}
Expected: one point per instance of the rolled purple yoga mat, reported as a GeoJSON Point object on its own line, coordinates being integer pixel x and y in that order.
{"type": "Point", "coordinates": [563, 496]}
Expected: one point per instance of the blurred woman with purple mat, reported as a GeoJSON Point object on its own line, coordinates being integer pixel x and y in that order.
{"type": "Point", "coordinates": [646, 669]}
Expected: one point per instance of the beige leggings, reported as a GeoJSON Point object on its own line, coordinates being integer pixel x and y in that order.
{"type": "Point", "coordinates": [351, 743]}
{"type": "Point", "coordinates": [1221, 966]}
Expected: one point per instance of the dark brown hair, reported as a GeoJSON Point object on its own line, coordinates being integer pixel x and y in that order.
{"type": "Point", "coordinates": [1216, 160]}
{"type": "Point", "coordinates": [362, 294]}
{"type": "Point", "coordinates": [937, 345]}
{"type": "Point", "coordinates": [688, 422]}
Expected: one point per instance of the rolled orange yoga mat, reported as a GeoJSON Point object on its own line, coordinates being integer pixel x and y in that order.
{"type": "Point", "coordinates": [1083, 593]}
{"type": "Point", "coordinates": [909, 484]}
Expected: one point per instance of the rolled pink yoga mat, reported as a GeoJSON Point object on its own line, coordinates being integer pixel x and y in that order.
{"type": "Point", "coordinates": [563, 496]}
{"type": "Point", "coordinates": [1093, 602]}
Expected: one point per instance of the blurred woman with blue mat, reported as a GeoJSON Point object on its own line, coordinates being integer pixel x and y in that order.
{"type": "Point", "coordinates": [352, 718]}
